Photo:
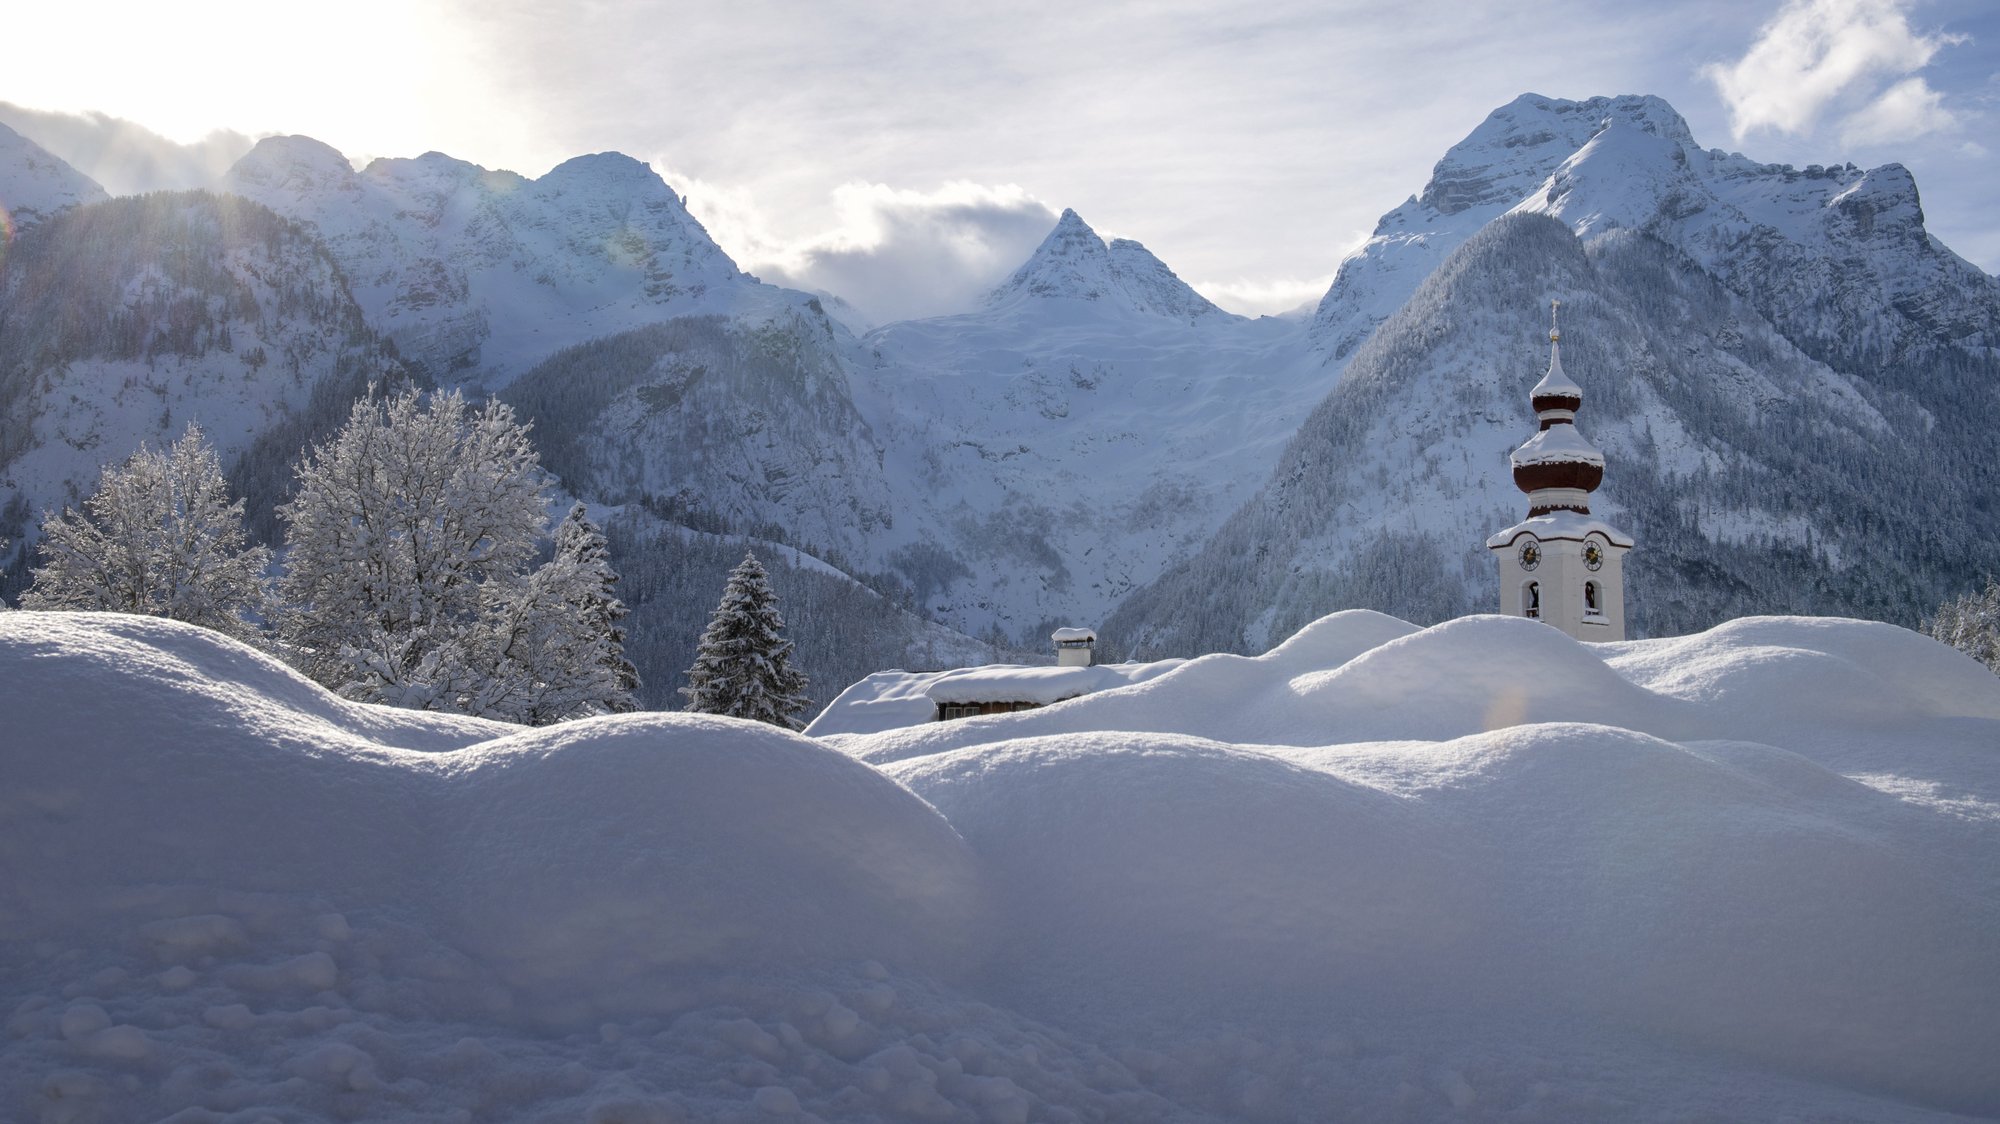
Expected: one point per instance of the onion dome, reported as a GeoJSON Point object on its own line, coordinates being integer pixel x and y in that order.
{"type": "Point", "coordinates": [1558, 467]}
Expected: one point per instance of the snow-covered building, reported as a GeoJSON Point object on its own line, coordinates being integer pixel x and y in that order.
{"type": "Point", "coordinates": [1562, 565]}
{"type": "Point", "coordinates": [890, 699]}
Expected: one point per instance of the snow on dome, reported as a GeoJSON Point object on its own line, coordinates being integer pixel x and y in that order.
{"type": "Point", "coordinates": [1556, 384]}
{"type": "Point", "coordinates": [1569, 525]}
{"type": "Point", "coordinates": [1073, 636]}
{"type": "Point", "coordinates": [1558, 444]}
{"type": "Point", "coordinates": [1389, 869]}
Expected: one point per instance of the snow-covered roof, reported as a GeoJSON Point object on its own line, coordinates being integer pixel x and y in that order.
{"type": "Point", "coordinates": [1558, 444]}
{"type": "Point", "coordinates": [1572, 525]}
{"type": "Point", "coordinates": [889, 700]}
{"type": "Point", "coordinates": [1038, 685]}
{"type": "Point", "coordinates": [1073, 636]}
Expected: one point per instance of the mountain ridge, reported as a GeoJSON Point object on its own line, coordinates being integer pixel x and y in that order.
{"type": "Point", "coordinates": [1095, 427]}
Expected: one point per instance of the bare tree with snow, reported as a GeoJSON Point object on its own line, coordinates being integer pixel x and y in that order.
{"type": "Point", "coordinates": [743, 667]}
{"type": "Point", "coordinates": [160, 537]}
{"type": "Point", "coordinates": [408, 532]}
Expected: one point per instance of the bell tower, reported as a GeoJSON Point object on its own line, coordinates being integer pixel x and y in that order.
{"type": "Point", "coordinates": [1562, 565]}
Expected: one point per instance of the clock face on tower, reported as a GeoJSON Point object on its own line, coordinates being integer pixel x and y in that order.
{"type": "Point", "coordinates": [1593, 556]}
{"type": "Point", "coordinates": [1531, 554]}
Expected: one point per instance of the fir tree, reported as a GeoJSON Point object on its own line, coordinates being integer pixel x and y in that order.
{"type": "Point", "coordinates": [159, 537]}
{"type": "Point", "coordinates": [1971, 624]}
{"type": "Point", "coordinates": [743, 668]}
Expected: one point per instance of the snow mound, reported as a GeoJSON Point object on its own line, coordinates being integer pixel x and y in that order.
{"type": "Point", "coordinates": [590, 858]}
{"type": "Point", "coordinates": [1731, 896]}
{"type": "Point", "coordinates": [581, 866]}
{"type": "Point", "coordinates": [1378, 872]}
{"type": "Point", "coordinates": [1836, 669]}
{"type": "Point", "coordinates": [1470, 675]}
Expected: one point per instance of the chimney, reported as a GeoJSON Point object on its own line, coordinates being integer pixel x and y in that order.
{"type": "Point", "coordinates": [1073, 646]}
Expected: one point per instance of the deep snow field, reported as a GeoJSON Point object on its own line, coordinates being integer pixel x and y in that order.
{"type": "Point", "coordinates": [1471, 872]}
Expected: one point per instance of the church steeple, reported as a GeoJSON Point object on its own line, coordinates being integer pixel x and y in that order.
{"type": "Point", "coordinates": [1562, 565]}
{"type": "Point", "coordinates": [1558, 467]}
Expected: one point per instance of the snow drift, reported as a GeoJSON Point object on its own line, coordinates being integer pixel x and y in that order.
{"type": "Point", "coordinates": [149, 762]}
{"type": "Point", "coordinates": [1378, 872]}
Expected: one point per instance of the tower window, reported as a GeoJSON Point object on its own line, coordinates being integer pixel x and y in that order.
{"type": "Point", "coordinates": [1531, 601]}
{"type": "Point", "coordinates": [1591, 606]}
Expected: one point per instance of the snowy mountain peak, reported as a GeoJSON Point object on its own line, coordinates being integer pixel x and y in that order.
{"type": "Point", "coordinates": [35, 184]}
{"type": "Point", "coordinates": [291, 165]}
{"type": "Point", "coordinates": [474, 269]}
{"type": "Point", "coordinates": [606, 168]}
{"type": "Point", "coordinates": [1513, 148]}
{"type": "Point", "coordinates": [1075, 263]}
{"type": "Point", "coordinates": [1630, 163]}
{"type": "Point", "coordinates": [1621, 177]}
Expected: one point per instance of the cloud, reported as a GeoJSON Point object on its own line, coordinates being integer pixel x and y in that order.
{"type": "Point", "coordinates": [1821, 56]}
{"type": "Point", "coordinates": [892, 254]}
{"type": "Point", "coordinates": [1910, 108]}
{"type": "Point", "coordinates": [125, 158]}
{"type": "Point", "coordinates": [1265, 298]}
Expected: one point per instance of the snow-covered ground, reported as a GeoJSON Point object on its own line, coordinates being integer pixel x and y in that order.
{"type": "Point", "coordinates": [1477, 871]}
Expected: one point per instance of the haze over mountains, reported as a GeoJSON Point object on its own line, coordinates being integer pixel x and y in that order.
{"type": "Point", "coordinates": [1791, 378]}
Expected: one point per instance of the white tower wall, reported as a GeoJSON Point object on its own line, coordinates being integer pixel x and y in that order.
{"type": "Point", "coordinates": [1562, 578]}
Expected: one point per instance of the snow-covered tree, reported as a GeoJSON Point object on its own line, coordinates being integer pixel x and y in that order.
{"type": "Point", "coordinates": [561, 649]}
{"type": "Point", "coordinates": [410, 528]}
{"type": "Point", "coordinates": [743, 667]}
{"type": "Point", "coordinates": [161, 537]}
{"type": "Point", "coordinates": [1971, 624]}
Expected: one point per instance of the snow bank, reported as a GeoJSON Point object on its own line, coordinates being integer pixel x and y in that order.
{"type": "Point", "coordinates": [155, 768]}
{"type": "Point", "coordinates": [587, 858]}
{"type": "Point", "coordinates": [1380, 872]}
{"type": "Point", "coordinates": [1732, 896]}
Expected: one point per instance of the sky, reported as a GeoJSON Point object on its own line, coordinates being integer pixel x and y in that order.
{"type": "Point", "coordinates": [907, 154]}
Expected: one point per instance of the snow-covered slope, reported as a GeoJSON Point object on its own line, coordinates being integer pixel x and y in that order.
{"type": "Point", "coordinates": [748, 424]}
{"type": "Point", "coordinates": [1094, 421]}
{"type": "Point", "coordinates": [478, 273]}
{"type": "Point", "coordinates": [1477, 871]}
{"type": "Point", "coordinates": [35, 184]}
{"type": "Point", "coordinates": [125, 320]}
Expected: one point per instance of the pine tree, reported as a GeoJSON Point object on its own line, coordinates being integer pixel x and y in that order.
{"type": "Point", "coordinates": [159, 537]}
{"type": "Point", "coordinates": [563, 652]}
{"type": "Point", "coordinates": [408, 535]}
{"type": "Point", "coordinates": [1971, 624]}
{"type": "Point", "coordinates": [743, 667]}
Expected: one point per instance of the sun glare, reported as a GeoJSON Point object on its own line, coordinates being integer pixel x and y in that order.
{"type": "Point", "coordinates": [371, 77]}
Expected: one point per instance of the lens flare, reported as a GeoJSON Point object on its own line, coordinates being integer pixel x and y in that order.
{"type": "Point", "coordinates": [1507, 707]}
